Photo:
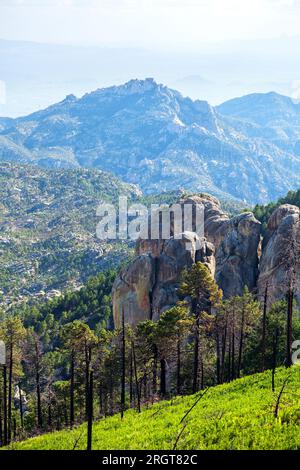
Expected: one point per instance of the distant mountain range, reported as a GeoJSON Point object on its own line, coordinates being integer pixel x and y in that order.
{"type": "Point", "coordinates": [147, 134]}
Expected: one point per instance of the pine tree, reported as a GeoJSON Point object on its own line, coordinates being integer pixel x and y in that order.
{"type": "Point", "coordinates": [198, 284]}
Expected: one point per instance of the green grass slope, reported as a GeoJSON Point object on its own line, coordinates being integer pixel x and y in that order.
{"type": "Point", "coordinates": [239, 415]}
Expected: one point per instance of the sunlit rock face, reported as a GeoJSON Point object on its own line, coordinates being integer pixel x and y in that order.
{"type": "Point", "coordinates": [149, 285]}
{"type": "Point", "coordinates": [215, 220]}
{"type": "Point", "coordinates": [237, 255]}
{"type": "Point", "coordinates": [131, 291]}
{"type": "Point", "coordinates": [280, 261]}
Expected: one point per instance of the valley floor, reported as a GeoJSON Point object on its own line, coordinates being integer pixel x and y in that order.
{"type": "Point", "coordinates": [239, 415]}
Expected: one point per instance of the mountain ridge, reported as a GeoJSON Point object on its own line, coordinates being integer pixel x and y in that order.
{"type": "Point", "coordinates": [150, 135]}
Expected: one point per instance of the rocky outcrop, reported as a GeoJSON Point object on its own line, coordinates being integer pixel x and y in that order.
{"type": "Point", "coordinates": [280, 260]}
{"type": "Point", "coordinates": [148, 286]}
{"type": "Point", "coordinates": [131, 291]}
{"type": "Point", "coordinates": [237, 256]}
{"type": "Point", "coordinates": [230, 249]}
{"type": "Point", "coordinates": [215, 220]}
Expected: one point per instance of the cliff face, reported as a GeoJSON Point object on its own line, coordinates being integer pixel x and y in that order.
{"type": "Point", "coordinates": [237, 255]}
{"type": "Point", "coordinates": [280, 260]}
{"type": "Point", "coordinates": [148, 286]}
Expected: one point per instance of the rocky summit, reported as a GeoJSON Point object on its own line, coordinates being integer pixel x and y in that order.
{"type": "Point", "coordinates": [150, 135]}
{"type": "Point", "coordinates": [233, 249]}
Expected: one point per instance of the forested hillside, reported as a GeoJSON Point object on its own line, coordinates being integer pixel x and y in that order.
{"type": "Point", "coordinates": [48, 224]}
{"type": "Point", "coordinates": [66, 353]}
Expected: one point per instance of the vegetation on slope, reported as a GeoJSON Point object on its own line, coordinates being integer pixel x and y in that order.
{"type": "Point", "coordinates": [48, 224]}
{"type": "Point", "coordinates": [91, 304]}
{"type": "Point", "coordinates": [239, 415]}
{"type": "Point", "coordinates": [52, 353]}
{"type": "Point", "coordinates": [264, 212]}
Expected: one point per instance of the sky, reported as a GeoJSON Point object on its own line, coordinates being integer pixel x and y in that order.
{"type": "Point", "coordinates": [207, 49]}
{"type": "Point", "coordinates": [170, 24]}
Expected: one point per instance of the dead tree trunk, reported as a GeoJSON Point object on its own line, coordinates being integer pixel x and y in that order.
{"type": "Point", "coordinates": [38, 388]}
{"type": "Point", "coordinates": [136, 378]}
{"type": "Point", "coordinates": [154, 381]}
{"type": "Point", "coordinates": [218, 364]}
{"type": "Point", "coordinates": [196, 354]}
{"type": "Point", "coordinates": [241, 345]}
{"type": "Point", "coordinates": [224, 341]}
{"type": "Point", "coordinates": [5, 435]}
{"type": "Point", "coordinates": [233, 348]}
{"type": "Point", "coordinates": [264, 329]}
{"type": "Point", "coordinates": [90, 411]}
{"type": "Point", "coordinates": [274, 358]}
{"type": "Point", "coordinates": [163, 387]}
{"type": "Point", "coordinates": [88, 353]}
{"type": "Point", "coordinates": [290, 299]}
{"type": "Point", "coordinates": [10, 375]}
{"type": "Point", "coordinates": [178, 364]}
{"type": "Point", "coordinates": [72, 387]}
{"type": "Point", "coordinates": [21, 406]}
{"type": "Point", "coordinates": [123, 360]}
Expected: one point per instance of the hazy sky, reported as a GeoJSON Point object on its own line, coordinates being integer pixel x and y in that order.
{"type": "Point", "coordinates": [207, 49]}
{"type": "Point", "coordinates": [147, 23]}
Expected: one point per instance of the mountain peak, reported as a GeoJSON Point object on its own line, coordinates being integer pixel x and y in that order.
{"type": "Point", "coordinates": [70, 98]}
{"type": "Point", "coordinates": [132, 87]}
{"type": "Point", "coordinates": [140, 86]}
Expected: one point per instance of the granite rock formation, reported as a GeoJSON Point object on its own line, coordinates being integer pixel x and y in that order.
{"type": "Point", "coordinates": [280, 260]}
{"type": "Point", "coordinates": [232, 249]}
{"type": "Point", "coordinates": [237, 255]}
{"type": "Point", "coordinates": [148, 286]}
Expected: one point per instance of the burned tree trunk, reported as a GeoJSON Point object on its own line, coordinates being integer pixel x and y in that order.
{"type": "Point", "coordinates": [163, 383]}
{"type": "Point", "coordinates": [72, 387]}
{"type": "Point", "coordinates": [290, 301]}
{"type": "Point", "coordinates": [123, 361]}
{"type": "Point", "coordinates": [264, 329]}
